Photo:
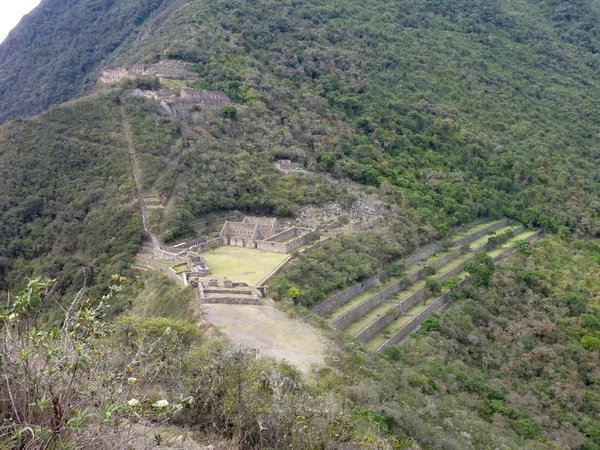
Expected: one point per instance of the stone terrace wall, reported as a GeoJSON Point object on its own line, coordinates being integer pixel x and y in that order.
{"type": "Point", "coordinates": [342, 297]}
{"type": "Point", "coordinates": [440, 303]}
{"type": "Point", "coordinates": [444, 300]}
{"type": "Point", "coordinates": [487, 246]}
{"type": "Point", "coordinates": [421, 254]}
{"type": "Point", "coordinates": [363, 308]}
{"type": "Point", "coordinates": [474, 236]}
{"type": "Point", "coordinates": [233, 300]}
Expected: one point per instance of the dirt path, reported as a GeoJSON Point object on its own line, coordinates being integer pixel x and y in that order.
{"type": "Point", "coordinates": [272, 332]}
{"type": "Point", "coordinates": [138, 186]}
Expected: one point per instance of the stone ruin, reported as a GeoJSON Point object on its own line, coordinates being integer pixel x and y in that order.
{"type": "Point", "coordinates": [263, 234]}
{"type": "Point", "coordinates": [166, 69]}
{"type": "Point", "coordinates": [286, 165]}
{"type": "Point", "coordinates": [180, 103]}
{"type": "Point", "coordinates": [197, 264]}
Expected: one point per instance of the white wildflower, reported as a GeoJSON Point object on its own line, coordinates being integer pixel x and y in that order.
{"type": "Point", "coordinates": [161, 404]}
{"type": "Point", "coordinates": [133, 402]}
{"type": "Point", "coordinates": [132, 380]}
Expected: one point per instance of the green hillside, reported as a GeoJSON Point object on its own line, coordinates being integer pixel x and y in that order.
{"type": "Point", "coordinates": [57, 50]}
{"type": "Point", "coordinates": [447, 112]}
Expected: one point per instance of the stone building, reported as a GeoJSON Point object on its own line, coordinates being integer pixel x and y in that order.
{"type": "Point", "coordinates": [264, 234]}
{"type": "Point", "coordinates": [165, 69]}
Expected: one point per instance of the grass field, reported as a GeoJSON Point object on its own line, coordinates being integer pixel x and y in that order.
{"type": "Point", "coordinates": [242, 264]}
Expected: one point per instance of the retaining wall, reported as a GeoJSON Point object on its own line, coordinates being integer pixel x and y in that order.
{"type": "Point", "coordinates": [476, 235]}
{"type": "Point", "coordinates": [364, 307]}
{"type": "Point", "coordinates": [421, 254]}
{"type": "Point", "coordinates": [440, 303]}
{"type": "Point", "coordinates": [342, 297]}
{"type": "Point", "coordinates": [233, 300]}
{"type": "Point", "coordinates": [444, 300]}
{"type": "Point", "coordinates": [274, 272]}
{"type": "Point", "coordinates": [488, 246]}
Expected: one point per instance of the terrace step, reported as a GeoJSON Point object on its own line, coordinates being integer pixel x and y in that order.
{"type": "Point", "coordinates": [395, 329]}
{"type": "Point", "coordinates": [347, 299]}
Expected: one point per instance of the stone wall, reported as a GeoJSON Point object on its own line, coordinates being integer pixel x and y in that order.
{"type": "Point", "coordinates": [488, 245]}
{"type": "Point", "coordinates": [363, 308]}
{"type": "Point", "coordinates": [437, 305]}
{"type": "Point", "coordinates": [342, 297]}
{"type": "Point", "coordinates": [419, 255]}
{"type": "Point", "coordinates": [423, 253]}
{"type": "Point", "coordinates": [233, 300]}
{"type": "Point", "coordinates": [371, 330]}
{"type": "Point", "coordinates": [474, 236]}
{"type": "Point", "coordinates": [444, 300]}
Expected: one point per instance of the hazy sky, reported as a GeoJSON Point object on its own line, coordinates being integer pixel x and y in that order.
{"type": "Point", "coordinates": [11, 12]}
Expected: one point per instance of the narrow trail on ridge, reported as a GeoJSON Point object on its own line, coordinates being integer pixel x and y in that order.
{"type": "Point", "coordinates": [138, 186]}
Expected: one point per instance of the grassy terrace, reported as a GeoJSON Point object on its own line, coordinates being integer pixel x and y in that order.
{"type": "Point", "coordinates": [380, 310]}
{"type": "Point", "coordinates": [395, 326]}
{"type": "Point", "coordinates": [482, 240]}
{"type": "Point", "coordinates": [357, 300]}
{"type": "Point", "coordinates": [242, 264]}
{"type": "Point", "coordinates": [474, 229]}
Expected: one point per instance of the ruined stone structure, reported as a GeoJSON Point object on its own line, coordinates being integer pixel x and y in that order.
{"type": "Point", "coordinates": [181, 102]}
{"type": "Point", "coordinates": [165, 69]}
{"type": "Point", "coordinates": [197, 264]}
{"type": "Point", "coordinates": [263, 234]}
{"type": "Point", "coordinates": [285, 165]}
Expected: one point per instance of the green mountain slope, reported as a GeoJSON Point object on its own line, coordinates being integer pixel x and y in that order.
{"type": "Point", "coordinates": [58, 48]}
{"type": "Point", "coordinates": [450, 111]}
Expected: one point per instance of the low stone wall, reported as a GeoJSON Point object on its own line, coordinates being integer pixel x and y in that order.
{"type": "Point", "coordinates": [444, 300]}
{"type": "Point", "coordinates": [488, 245]}
{"type": "Point", "coordinates": [274, 272]}
{"type": "Point", "coordinates": [316, 245]}
{"type": "Point", "coordinates": [364, 307]}
{"type": "Point", "coordinates": [371, 330]}
{"type": "Point", "coordinates": [232, 300]}
{"type": "Point", "coordinates": [421, 254]}
{"type": "Point", "coordinates": [342, 297]}
{"type": "Point", "coordinates": [443, 260]}
{"type": "Point", "coordinates": [211, 290]}
{"type": "Point", "coordinates": [455, 270]}
{"type": "Point", "coordinates": [173, 275]}
{"type": "Point", "coordinates": [438, 304]}
{"type": "Point", "coordinates": [476, 235]}
{"type": "Point", "coordinates": [201, 248]}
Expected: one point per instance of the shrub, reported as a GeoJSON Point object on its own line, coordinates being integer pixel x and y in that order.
{"type": "Point", "coordinates": [432, 323]}
{"type": "Point", "coordinates": [229, 111]}
{"type": "Point", "coordinates": [590, 343]}
{"type": "Point", "coordinates": [589, 321]}
{"type": "Point", "coordinates": [433, 285]}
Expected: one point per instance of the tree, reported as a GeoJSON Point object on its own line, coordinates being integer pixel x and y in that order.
{"type": "Point", "coordinates": [432, 323]}
{"type": "Point", "coordinates": [229, 111]}
{"type": "Point", "coordinates": [434, 286]}
{"type": "Point", "coordinates": [213, 246]}
{"type": "Point", "coordinates": [481, 269]}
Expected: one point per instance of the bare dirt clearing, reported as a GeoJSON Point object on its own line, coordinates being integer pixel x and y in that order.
{"type": "Point", "coordinates": [272, 332]}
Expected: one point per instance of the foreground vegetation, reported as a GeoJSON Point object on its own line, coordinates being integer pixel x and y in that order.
{"type": "Point", "coordinates": [511, 364]}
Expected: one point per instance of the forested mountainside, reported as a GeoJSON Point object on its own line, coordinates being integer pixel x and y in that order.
{"type": "Point", "coordinates": [448, 111]}
{"type": "Point", "coordinates": [57, 50]}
